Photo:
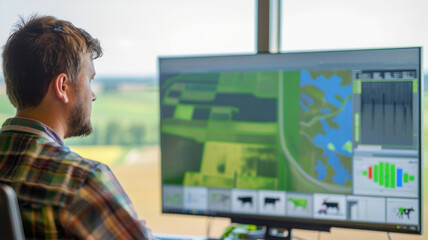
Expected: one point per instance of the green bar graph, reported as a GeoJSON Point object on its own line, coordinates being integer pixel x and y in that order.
{"type": "Point", "coordinates": [376, 173]}
{"type": "Point", "coordinates": [406, 178]}
{"type": "Point", "coordinates": [388, 175]}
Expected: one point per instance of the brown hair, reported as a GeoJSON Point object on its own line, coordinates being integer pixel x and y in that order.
{"type": "Point", "coordinates": [38, 51]}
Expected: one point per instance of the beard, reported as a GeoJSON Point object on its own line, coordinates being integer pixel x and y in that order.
{"type": "Point", "coordinates": [79, 124]}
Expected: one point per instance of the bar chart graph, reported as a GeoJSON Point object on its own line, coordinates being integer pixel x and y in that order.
{"type": "Point", "coordinates": [386, 176]}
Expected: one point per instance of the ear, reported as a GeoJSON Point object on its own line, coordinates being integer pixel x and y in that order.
{"type": "Point", "coordinates": [62, 87]}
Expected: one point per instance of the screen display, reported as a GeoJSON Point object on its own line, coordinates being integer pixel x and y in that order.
{"type": "Point", "coordinates": [311, 137]}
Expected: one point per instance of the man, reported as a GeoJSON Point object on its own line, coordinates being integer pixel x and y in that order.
{"type": "Point", "coordinates": [48, 69]}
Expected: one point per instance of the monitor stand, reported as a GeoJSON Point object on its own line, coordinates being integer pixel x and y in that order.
{"type": "Point", "coordinates": [272, 234]}
{"type": "Point", "coordinates": [274, 229]}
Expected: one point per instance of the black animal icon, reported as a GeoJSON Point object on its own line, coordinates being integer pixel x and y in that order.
{"type": "Point", "coordinates": [246, 199]}
{"type": "Point", "coordinates": [404, 211]}
{"type": "Point", "coordinates": [271, 201]}
{"type": "Point", "coordinates": [330, 205]}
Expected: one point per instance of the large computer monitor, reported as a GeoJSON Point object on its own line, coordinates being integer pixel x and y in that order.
{"type": "Point", "coordinates": [302, 140]}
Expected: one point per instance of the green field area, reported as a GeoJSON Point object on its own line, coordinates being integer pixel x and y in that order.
{"type": "Point", "coordinates": [127, 118]}
{"type": "Point", "coordinates": [230, 144]}
{"type": "Point", "coordinates": [122, 121]}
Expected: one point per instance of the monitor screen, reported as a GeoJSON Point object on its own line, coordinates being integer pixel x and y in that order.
{"type": "Point", "coordinates": [301, 139]}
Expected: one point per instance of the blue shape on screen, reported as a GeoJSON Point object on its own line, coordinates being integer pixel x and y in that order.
{"type": "Point", "coordinates": [321, 169]}
{"type": "Point", "coordinates": [304, 107]}
{"type": "Point", "coordinates": [305, 101]}
{"type": "Point", "coordinates": [342, 174]}
{"type": "Point", "coordinates": [332, 136]}
{"type": "Point", "coordinates": [399, 177]}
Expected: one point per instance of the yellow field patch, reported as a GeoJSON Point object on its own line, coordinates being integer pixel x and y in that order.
{"type": "Point", "coordinates": [104, 154]}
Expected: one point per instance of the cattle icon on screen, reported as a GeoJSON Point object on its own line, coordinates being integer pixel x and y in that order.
{"type": "Point", "coordinates": [246, 199]}
{"type": "Point", "coordinates": [404, 211]}
{"type": "Point", "coordinates": [298, 202]}
{"type": "Point", "coordinates": [271, 201]}
{"type": "Point", "coordinates": [330, 205]}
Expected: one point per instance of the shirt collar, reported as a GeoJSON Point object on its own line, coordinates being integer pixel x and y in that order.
{"type": "Point", "coordinates": [32, 126]}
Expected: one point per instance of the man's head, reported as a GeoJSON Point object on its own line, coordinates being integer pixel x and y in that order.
{"type": "Point", "coordinates": [40, 50]}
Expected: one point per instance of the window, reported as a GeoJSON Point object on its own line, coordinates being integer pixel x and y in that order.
{"type": "Point", "coordinates": [125, 115]}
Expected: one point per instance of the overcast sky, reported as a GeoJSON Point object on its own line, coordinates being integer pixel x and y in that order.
{"type": "Point", "coordinates": [134, 33]}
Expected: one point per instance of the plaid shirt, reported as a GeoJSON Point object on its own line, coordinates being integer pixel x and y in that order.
{"type": "Point", "coordinates": [62, 195]}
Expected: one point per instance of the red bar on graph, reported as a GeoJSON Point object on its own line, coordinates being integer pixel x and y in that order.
{"type": "Point", "coordinates": [370, 172]}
